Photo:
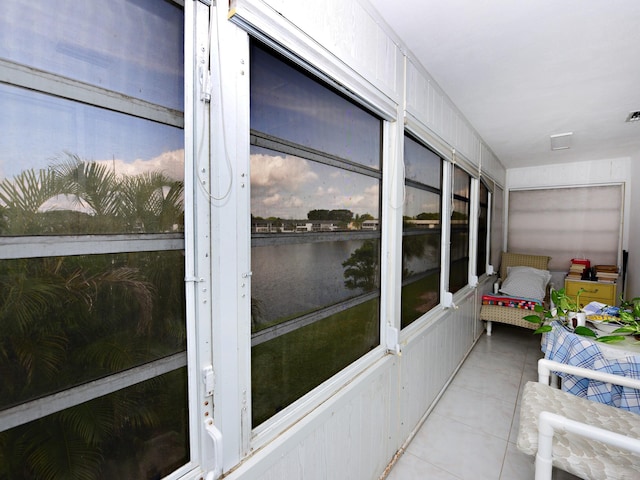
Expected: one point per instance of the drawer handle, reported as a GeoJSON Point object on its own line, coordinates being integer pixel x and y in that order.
{"type": "Point", "coordinates": [590, 291]}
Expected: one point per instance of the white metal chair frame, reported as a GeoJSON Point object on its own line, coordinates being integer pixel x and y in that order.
{"type": "Point", "coordinates": [550, 422]}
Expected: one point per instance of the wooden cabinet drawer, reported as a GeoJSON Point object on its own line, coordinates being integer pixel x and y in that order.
{"type": "Point", "coordinates": [593, 291]}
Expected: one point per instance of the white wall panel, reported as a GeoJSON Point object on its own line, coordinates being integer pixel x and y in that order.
{"type": "Point", "coordinates": [491, 165]}
{"type": "Point", "coordinates": [632, 289]}
{"type": "Point", "coordinates": [349, 32]}
{"type": "Point", "coordinates": [430, 358]}
{"type": "Point", "coordinates": [427, 103]}
{"type": "Point", "coordinates": [353, 435]}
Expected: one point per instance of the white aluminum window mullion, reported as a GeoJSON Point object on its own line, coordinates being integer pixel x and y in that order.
{"type": "Point", "coordinates": [35, 409]}
{"type": "Point", "coordinates": [230, 234]}
{"type": "Point", "coordinates": [445, 250]}
{"type": "Point", "coordinates": [38, 80]}
{"type": "Point", "coordinates": [57, 246]}
{"type": "Point", "coordinates": [198, 258]}
{"type": "Point", "coordinates": [392, 209]}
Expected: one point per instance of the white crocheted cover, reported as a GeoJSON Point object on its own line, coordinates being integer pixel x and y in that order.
{"type": "Point", "coordinates": [580, 456]}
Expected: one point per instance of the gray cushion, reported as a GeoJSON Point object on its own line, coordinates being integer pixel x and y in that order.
{"type": "Point", "coordinates": [526, 282]}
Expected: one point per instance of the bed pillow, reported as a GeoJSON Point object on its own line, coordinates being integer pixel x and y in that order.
{"type": "Point", "coordinates": [527, 282]}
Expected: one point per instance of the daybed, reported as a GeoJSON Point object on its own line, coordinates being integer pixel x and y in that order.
{"type": "Point", "coordinates": [493, 310]}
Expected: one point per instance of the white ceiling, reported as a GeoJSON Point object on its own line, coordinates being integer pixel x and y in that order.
{"type": "Point", "coordinates": [522, 70]}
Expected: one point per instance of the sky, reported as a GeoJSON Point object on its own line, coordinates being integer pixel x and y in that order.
{"type": "Point", "coordinates": [39, 129]}
{"type": "Point", "coordinates": [134, 47]}
{"type": "Point", "coordinates": [289, 187]}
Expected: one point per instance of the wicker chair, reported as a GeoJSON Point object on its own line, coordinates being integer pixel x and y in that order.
{"type": "Point", "coordinates": [512, 316]}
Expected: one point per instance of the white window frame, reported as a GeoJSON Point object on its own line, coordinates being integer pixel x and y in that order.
{"type": "Point", "coordinates": [204, 451]}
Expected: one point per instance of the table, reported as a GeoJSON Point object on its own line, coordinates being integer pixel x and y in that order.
{"type": "Point", "coordinates": [562, 345]}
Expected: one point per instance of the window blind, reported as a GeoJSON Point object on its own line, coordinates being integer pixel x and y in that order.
{"type": "Point", "coordinates": [566, 223]}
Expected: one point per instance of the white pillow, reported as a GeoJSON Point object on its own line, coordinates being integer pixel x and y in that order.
{"type": "Point", "coordinates": [525, 282]}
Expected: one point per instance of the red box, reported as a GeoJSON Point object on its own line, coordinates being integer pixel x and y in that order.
{"type": "Point", "coordinates": [581, 261]}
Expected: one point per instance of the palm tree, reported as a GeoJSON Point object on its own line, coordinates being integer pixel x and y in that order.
{"type": "Point", "coordinates": [71, 319]}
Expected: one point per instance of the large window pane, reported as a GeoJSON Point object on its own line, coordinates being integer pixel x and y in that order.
{"type": "Point", "coordinates": [421, 231]}
{"type": "Point", "coordinates": [481, 263]}
{"type": "Point", "coordinates": [92, 316]}
{"type": "Point", "coordinates": [315, 222]}
{"type": "Point", "coordinates": [134, 47]}
{"type": "Point", "coordinates": [69, 320]}
{"type": "Point", "coordinates": [459, 260]}
{"type": "Point", "coordinates": [70, 168]}
{"type": "Point", "coordinates": [289, 104]}
{"type": "Point", "coordinates": [421, 164]}
{"type": "Point", "coordinates": [138, 432]}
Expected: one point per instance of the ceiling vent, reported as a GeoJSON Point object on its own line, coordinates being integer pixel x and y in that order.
{"type": "Point", "coordinates": [561, 141]}
{"type": "Point", "coordinates": [633, 116]}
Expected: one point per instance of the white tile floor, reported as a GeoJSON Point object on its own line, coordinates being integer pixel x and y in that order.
{"type": "Point", "coordinates": [471, 433]}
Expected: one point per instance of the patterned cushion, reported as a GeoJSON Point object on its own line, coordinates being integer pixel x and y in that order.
{"type": "Point", "coordinates": [578, 455]}
{"type": "Point", "coordinates": [527, 282]}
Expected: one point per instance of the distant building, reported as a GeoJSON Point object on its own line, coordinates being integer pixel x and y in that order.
{"type": "Point", "coordinates": [371, 224]}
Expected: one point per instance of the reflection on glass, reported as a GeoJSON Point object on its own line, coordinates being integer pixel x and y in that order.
{"type": "Point", "coordinates": [420, 253]}
{"type": "Point", "coordinates": [134, 47]}
{"type": "Point", "coordinates": [287, 367]}
{"type": "Point", "coordinates": [315, 223]}
{"type": "Point", "coordinates": [133, 184]}
{"type": "Point", "coordinates": [421, 228]}
{"type": "Point", "coordinates": [421, 164]}
{"type": "Point", "coordinates": [421, 275]}
{"type": "Point", "coordinates": [295, 279]}
{"type": "Point", "coordinates": [68, 320]}
{"type": "Point", "coordinates": [496, 226]}
{"type": "Point", "coordinates": [461, 182]}
{"type": "Point", "coordinates": [459, 258]}
{"type": "Point", "coordinates": [481, 266]}
{"type": "Point", "coordinates": [139, 432]}
{"type": "Point", "coordinates": [288, 104]}
{"type": "Point", "coordinates": [296, 193]}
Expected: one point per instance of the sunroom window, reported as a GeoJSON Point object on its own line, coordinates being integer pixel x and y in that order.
{"type": "Point", "coordinates": [422, 230]}
{"type": "Point", "coordinates": [483, 222]}
{"type": "Point", "coordinates": [92, 300]}
{"type": "Point", "coordinates": [315, 221]}
{"type": "Point", "coordinates": [459, 261]}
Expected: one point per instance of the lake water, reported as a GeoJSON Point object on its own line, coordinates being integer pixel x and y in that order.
{"type": "Point", "coordinates": [289, 280]}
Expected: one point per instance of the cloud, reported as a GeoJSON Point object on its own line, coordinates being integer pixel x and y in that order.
{"type": "Point", "coordinates": [280, 173]}
{"type": "Point", "coordinates": [170, 163]}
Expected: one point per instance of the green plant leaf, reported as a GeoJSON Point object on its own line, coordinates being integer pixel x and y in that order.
{"type": "Point", "coordinates": [532, 319]}
{"type": "Point", "coordinates": [543, 329]}
{"type": "Point", "coordinates": [627, 317]}
{"type": "Point", "coordinates": [626, 329]}
{"type": "Point", "coordinates": [585, 331]}
{"type": "Point", "coordinates": [611, 339]}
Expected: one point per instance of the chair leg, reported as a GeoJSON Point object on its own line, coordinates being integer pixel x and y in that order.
{"type": "Point", "coordinates": [488, 327]}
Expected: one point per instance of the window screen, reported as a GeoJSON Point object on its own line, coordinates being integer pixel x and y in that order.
{"type": "Point", "coordinates": [315, 221]}
{"type": "Point", "coordinates": [421, 231]}
{"type": "Point", "coordinates": [459, 261]}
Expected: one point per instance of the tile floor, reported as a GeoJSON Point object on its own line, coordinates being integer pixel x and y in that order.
{"type": "Point", "coordinates": [471, 433]}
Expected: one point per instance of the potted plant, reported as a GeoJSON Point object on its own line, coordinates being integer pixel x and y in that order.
{"type": "Point", "coordinates": [629, 319]}
{"type": "Point", "coordinates": [563, 307]}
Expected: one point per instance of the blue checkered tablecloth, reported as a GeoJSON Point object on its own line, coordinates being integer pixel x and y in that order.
{"type": "Point", "coordinates": [564, 346]}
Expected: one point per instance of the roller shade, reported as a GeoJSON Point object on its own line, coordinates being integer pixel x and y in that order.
{"type": "Point", "coordinates": [565, 223]}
